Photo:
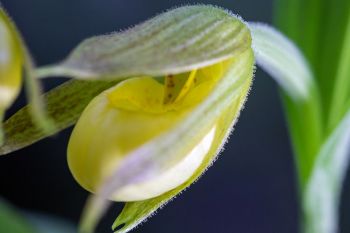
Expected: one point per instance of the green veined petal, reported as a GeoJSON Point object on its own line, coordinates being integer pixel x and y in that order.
{"type": "Point", "coordinates": [64, 105]}
{"type": "Point", "coordinates": [193, 53]}
{"type": "Point", "coordinates": [177, 41]}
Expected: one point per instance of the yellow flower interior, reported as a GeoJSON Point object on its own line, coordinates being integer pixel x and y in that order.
{"type": "Point", "coordinates": [130, 114]}
{"type": "Point", "coordinates": [176, 92]}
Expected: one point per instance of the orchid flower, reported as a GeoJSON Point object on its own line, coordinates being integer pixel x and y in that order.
{"type": "Point", "coordinates": [153, 105]}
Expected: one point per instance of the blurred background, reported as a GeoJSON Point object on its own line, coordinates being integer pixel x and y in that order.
{"type": "Point", "coordinates": [250, 189]}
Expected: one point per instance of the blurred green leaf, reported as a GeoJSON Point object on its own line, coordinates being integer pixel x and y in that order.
{"type": "Point", "coordinates": [11, 222]}
{"type": "Point", "coordinates": [321, 29]}
{"type": "Point", "coordinates": [279, 57]}
{"type": "Point", "coordinates": [342, 81]}
{"type": "Point", "coordinates": [64, 105]}
{"type": "Point", "coordinates": [47, 224]}
{"type": "Point", "coordinates": [333, 59]}
{"type": "Point", "coordinates": [14, 221]}
{"type": "Point", "coordinates": [174, 42]}
{"type": "Point", "coordinates": [322, 194]}
{"type": "Point", "coordinates": [303, 22]}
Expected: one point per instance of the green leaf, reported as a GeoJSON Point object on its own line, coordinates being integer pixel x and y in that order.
{"type": "Point", "coordinates": [304, 21]}
{"type": "Point", "coordinates": [331, 60]}
{"type": "Point", "coordinates": [279, 57]}
{"type": "Point", "coordinates": [288, 18]}
{"type": "Point", "coordinates": [322, 194]}
{"type": "Point", "coordinates": [223, 105]}
{"type": "Point", "coordinates": [11, 222]}
{"type": "Point", "coordinates": [64, 105]}
{"type": "Point", "coordinates": [342, 81]}
{"type": "Point", "coordinates": [174, 42]}
{"type": "Point", "coordinates": [320, 28]}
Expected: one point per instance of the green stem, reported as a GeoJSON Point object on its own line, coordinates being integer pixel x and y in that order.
{"type": "Point", "coordinates": [299, 20]}
{"type": "Point", "coordinates": [305, 126]}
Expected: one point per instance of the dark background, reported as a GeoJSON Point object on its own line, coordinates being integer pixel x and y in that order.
{"type": "Point", "coordinates": [250, 189]}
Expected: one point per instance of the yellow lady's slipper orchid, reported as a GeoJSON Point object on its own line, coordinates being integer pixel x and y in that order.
{"type": "Point", "coordinates": [134, 112]}
{"type": "Point", "coordinates": [10, 64]}
{"type": "Point", "coordinates": [149, 137]}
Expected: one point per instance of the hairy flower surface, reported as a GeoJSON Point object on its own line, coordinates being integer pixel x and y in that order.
{"type": "Point", "coordinates": [134, 112]}
{"type": "Point", "coordinates": [152, 135]}
{"type": "Point", "coordinates": [160, 100]}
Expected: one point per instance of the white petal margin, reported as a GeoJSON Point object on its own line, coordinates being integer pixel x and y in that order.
{"type": "Point", "coordinates": [170, 179]}
{"type": "Point", "coordinates": [322, 193]}
{"type": "Point", "coordinates": [280, 58]}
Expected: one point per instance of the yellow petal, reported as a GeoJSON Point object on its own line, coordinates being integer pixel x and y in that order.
{"type": "Point", "coordinates": [10, 64]}
{"type": "Point", "coordinates": [132, 113]}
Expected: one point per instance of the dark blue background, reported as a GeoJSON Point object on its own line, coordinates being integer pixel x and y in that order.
{"type": "Point", "coordinates": [250, 189]}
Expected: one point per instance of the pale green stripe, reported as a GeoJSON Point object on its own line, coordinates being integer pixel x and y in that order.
{"type": "Point", "coordinates": [178, 41]}
{"type": "Point", "coordinates": [323, 191]}
{"type": "Point", "coordinates": [341, 92]}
